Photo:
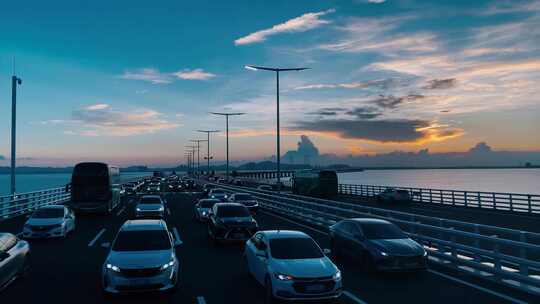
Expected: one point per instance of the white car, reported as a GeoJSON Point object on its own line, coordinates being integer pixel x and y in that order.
{"type": "Point", "coordinates": [291, 266]}
{"type": "Point", "coordinates": [14, 258]}
{"type": "Point", "coordinates": [50, 221]}
{"type": "Point", "coordinates": [150, 206]}
{"type": "Point", "coordinates": [141, 258]}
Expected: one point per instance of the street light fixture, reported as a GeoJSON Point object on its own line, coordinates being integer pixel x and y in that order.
{"type": "Point", "coordinates": [227, 132]}
{"type": "Point", "coordinates": [277, 71]}
{"type": "Point", "coordinates": [208, 147]}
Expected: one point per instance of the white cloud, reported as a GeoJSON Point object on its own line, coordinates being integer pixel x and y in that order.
{"type": "Point", "coordinates": [197, 74]}
{"type": "Point", "coordinates": [303, 23]}
{"type": "Point", "coordinates": [99, 106]}
{"type": "Point", "coordinates": [154, 76]}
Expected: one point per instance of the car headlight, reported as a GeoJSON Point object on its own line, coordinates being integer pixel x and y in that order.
{"type": "Point", "coordinates": [113, 267]}
{"type": "Point", "coordinates": [204, 213]}
{"type": "Point", "coordinates": [425, 253]}
{"type": "Point", "coordinates": [384, 253]}
{"type": "Point", "coordinates": [225, 196]}
{"type": "Point", "coordinates": [168, 265]}
{"type": "Point", "coordinates": [138, 209]}
{"type": "Point", "coordinates": [283, 277]}
{"type": "Point", "coordinates": [337, 276]}
{"type": "Point", "coordinates": [213, 196]}
{"type": "Point", "coordinates": [161, 209]}
{"type": "Point", "coordinates": [147, 188]}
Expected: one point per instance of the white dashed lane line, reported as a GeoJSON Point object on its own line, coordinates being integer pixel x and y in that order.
{"type": "Point", "coordinates": [94, 240]}
{"type": "Point", "coordinates": [201, 300]}
{"type": "Point", "coordinates": [178, 241]}
{"type": "Point", "coordinates": [168, 211]}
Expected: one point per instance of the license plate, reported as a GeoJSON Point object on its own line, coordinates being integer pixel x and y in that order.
{"type": "Point", "coordinates": [315, 288]}
{"type": "Point", "coordinates": [134, 282]}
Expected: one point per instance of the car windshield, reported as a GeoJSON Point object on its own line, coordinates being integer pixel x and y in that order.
{"type": "Point", "coordinates": [218, 191]}
{"type": "Point", "coordinates": [142, 240]}
{"type": "Point", "coordinates": [376, 231]}
{"type": "Point", "coordinates": [243, 197]}
{"type": "Point", "coordinates": [207, 203]}
{"type": "Point", "coordinates": [48, 213]}
{"type": "Point", "coordinates": [295, 248]}
{"type": "Point", "coordinates": [233, 211]}
{"type": "Point", "coordinates": [150, 200]}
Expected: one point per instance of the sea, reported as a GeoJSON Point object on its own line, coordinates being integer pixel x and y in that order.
{"type": "Point", "coordinates": [526, 181]}
{"type": "Point", "coordinates": [33, 182]}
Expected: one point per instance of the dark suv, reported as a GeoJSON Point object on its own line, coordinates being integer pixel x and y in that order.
{"type": "Point", "coordinates": [231, 222]}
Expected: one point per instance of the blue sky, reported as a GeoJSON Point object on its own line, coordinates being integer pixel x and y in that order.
{"type": "Point", "coordinates": [130, 81]}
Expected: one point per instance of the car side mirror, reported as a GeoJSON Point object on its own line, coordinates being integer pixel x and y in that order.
{"type": "Point", "coordinates": [327, 252]}
{"type": "Point", "coordinates": [106, 245]}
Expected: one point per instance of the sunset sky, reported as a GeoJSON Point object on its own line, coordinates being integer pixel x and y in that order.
{"type": "Point", "coordinates": [130, 81]}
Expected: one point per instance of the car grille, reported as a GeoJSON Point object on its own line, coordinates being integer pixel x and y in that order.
{"type": "Point", "coordinates": [139, 287]}
{"type": "Point", "coordinates": [138, 273]}
{"type": "Point", "coordinates": [43, 227]}
{"type": "Point", "coordinates": [314, 285]}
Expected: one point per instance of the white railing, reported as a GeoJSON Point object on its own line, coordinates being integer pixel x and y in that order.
{"type": "Point", "coordinates": [13, 205]}
{"type": "Point", "coordinates": [514, 202]}
{"type": "Point", "coordinates": [507, 256]}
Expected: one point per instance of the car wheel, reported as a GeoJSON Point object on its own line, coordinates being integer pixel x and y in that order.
{"type": "Point", "coordinates": [269, 296]}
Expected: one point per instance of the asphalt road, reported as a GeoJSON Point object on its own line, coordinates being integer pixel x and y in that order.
{"type": "Point", "coordinates": [68, 271]}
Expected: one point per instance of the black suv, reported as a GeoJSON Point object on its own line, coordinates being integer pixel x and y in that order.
{"type": "Point", "coordinates": [231, 222]}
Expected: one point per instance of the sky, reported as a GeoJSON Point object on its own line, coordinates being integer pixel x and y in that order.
{"type": "Point", "coordinates": [130, 82]}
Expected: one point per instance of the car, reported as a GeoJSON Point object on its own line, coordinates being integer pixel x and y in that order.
{"type": "Point", "coordinates": [14, 258]}
{"type": "Point", "coordinates": [394, 195]}
{"type": "Point", "coordinates": [222, 180]}
{"type": "Point", "coordinates": [377, 245]}
{"type": "Point", "coordinates": [142, 257]}
{"type": "Point", "coordinates": [129, 189]}
{"type": "Point", "coordinates": [189, 184]}
{"type": "Point", "coordinates": [150, 206]}
{"type": "Point", "coordinates": [231, 222]}
{"type": "Point", "coordinates": [49, 221]}
{"type": "Point", "coordinates": [153, 187]}
{"type": "Point", "coordinates": [207, 188]}
{"type": "Point", "coordinates": [245, 199]}
{"type": "Point", "coordinates": [203, 208]}
{"type": "Point", "coordinates": [265, 188]}
{"type": "Point", "coordinates": [291, 266]}
{"type": "Point", "coordinates": [219, 194]}
{"type": "Point", "coordinates": [175, 186]}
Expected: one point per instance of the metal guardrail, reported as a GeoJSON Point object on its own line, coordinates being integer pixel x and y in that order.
{"type": "Point", "coordinates": [13, 205]}
{"type": "Point", "coordinates": [515, 202]}
{"type": "Point", "coordinates": [507, 256]}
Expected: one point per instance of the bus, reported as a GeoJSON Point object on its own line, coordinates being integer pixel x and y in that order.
{"type": "Point", "coordinates": [318, 183]}
{"type": "Point", "coordinates": [95, 187]}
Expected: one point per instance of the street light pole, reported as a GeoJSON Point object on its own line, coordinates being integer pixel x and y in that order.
{"type": "Point", "coordinates": [277, 71]}
{"type": "Point", "coordinates": [227, 132]}
{"type": "Point", "coordinates": [191, 156]}
{"type": "Point", "coordinates": [198, 141]}
{"type": "Point", "coordinates": [14, 82]}
{"type": "Point", "coordinates": [208, 147]}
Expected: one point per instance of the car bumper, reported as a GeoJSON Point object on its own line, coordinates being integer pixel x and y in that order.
{"type": "Point", "coordinates": [149, 214]}
{"type": "Point", "coordinates": [284, 290]}
{"type": "Point", "coordinates": [234, 234]}
{"type": "Point", "coordinates": [117, 283]}
{"type": "Point", "coordinates": [53, 233]}
{"type": "Point", "coordinates": [400, 264]}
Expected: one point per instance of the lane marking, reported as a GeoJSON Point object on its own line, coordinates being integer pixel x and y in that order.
{"type": "Point", "coordinates": [353, 297]}
{"type": "Point", "coordinates": [293, 222]}
{"type": "Point", "coordinates": [201, 300]}
{"type": "Point", "coordinates": [500, 295]}
{"type": "Point", "coordinates": [178, 241]}
{"type": "Point", "coordinates": [168, 211]}
{"type": "Point", "coordinates": [120, 211]}
{"type": "Point", "coordinates": [489, 291]}
{"type": "Point", "coordinates": [96, 238]}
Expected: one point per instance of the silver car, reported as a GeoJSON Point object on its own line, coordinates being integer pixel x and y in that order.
{"type": "Point", "coordinates": [150, 206]}
{"type": "Point", "coordinates": [142, 258]}
{"type": "Point", "coordinates": [203, 208]}
{"type": "Point", "coordinates": [50, 221]}
{"type": "Point", "coordinates": [14, 258]}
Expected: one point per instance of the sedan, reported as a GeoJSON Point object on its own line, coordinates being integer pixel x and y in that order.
{"type": "Point", "coordinates": [219, 194]}
{"type": "Point", "coordinates": [291, 266]}
{"type": "Point", "coordinates": [394, 195]}
{"type": "Point", "coordinates": [203, 208]}
{"type": "Point", "coordinates": [14, 258]}
{"type": "Point", "coordinates": [231, 222]}
{"type": "Point", "coordinates": [142, 258]}
{"type": "Point", "coordinates": [245, 199]}
{"type": "Point", "coordinates": [50, 221]}
{"type": "Point", "coordinates": [150, 206]}
{"type": "Point", "coordinates": [377, 245]}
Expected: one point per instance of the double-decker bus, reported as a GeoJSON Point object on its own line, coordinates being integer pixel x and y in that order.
{"type": "Point", "coordinates": [95, 187]}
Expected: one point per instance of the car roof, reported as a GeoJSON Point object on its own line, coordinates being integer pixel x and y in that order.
{"type": "Point", "coordinates": [277, 234]}
{"type": "Point", "coordinates": [52, 207]}
{"type": "Point", "coordinates": [136, 225]}
{"type": "Point", "coordinates": [151, 196]}
{"type": "Point", "coordinates": [209, 200]}
{"type": "Point", "coordinates": [368, 221]}
{"type": "Point", "coordinates": [242, 193]}
{"type": "Point", "coordinates": [228, 205]}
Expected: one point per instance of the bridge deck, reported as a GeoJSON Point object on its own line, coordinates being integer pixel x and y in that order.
{"type": "Point", "coordinates": [69, 270]}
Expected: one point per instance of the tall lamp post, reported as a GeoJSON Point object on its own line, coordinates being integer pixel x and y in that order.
{"type": "Point", "coordinates": [277, 71]}
{"type": "Point", "coordinates": [208, 147]}
{"type": "Point", "coordinates": [14, 82]}
{"type": "Point", "coordinates": [198, 141]}
{"type": "Point", "coordinates": [191, 156]}
{"type": "Point", "coordinates": [227, 132]}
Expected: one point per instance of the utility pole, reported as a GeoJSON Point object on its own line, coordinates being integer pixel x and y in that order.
{"type": "Point", "coordinates": [208, 147]}
{"type": "Point", "coordinates": [198, 141]}
{"type": "Point", "coordinates": [227, 132]}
